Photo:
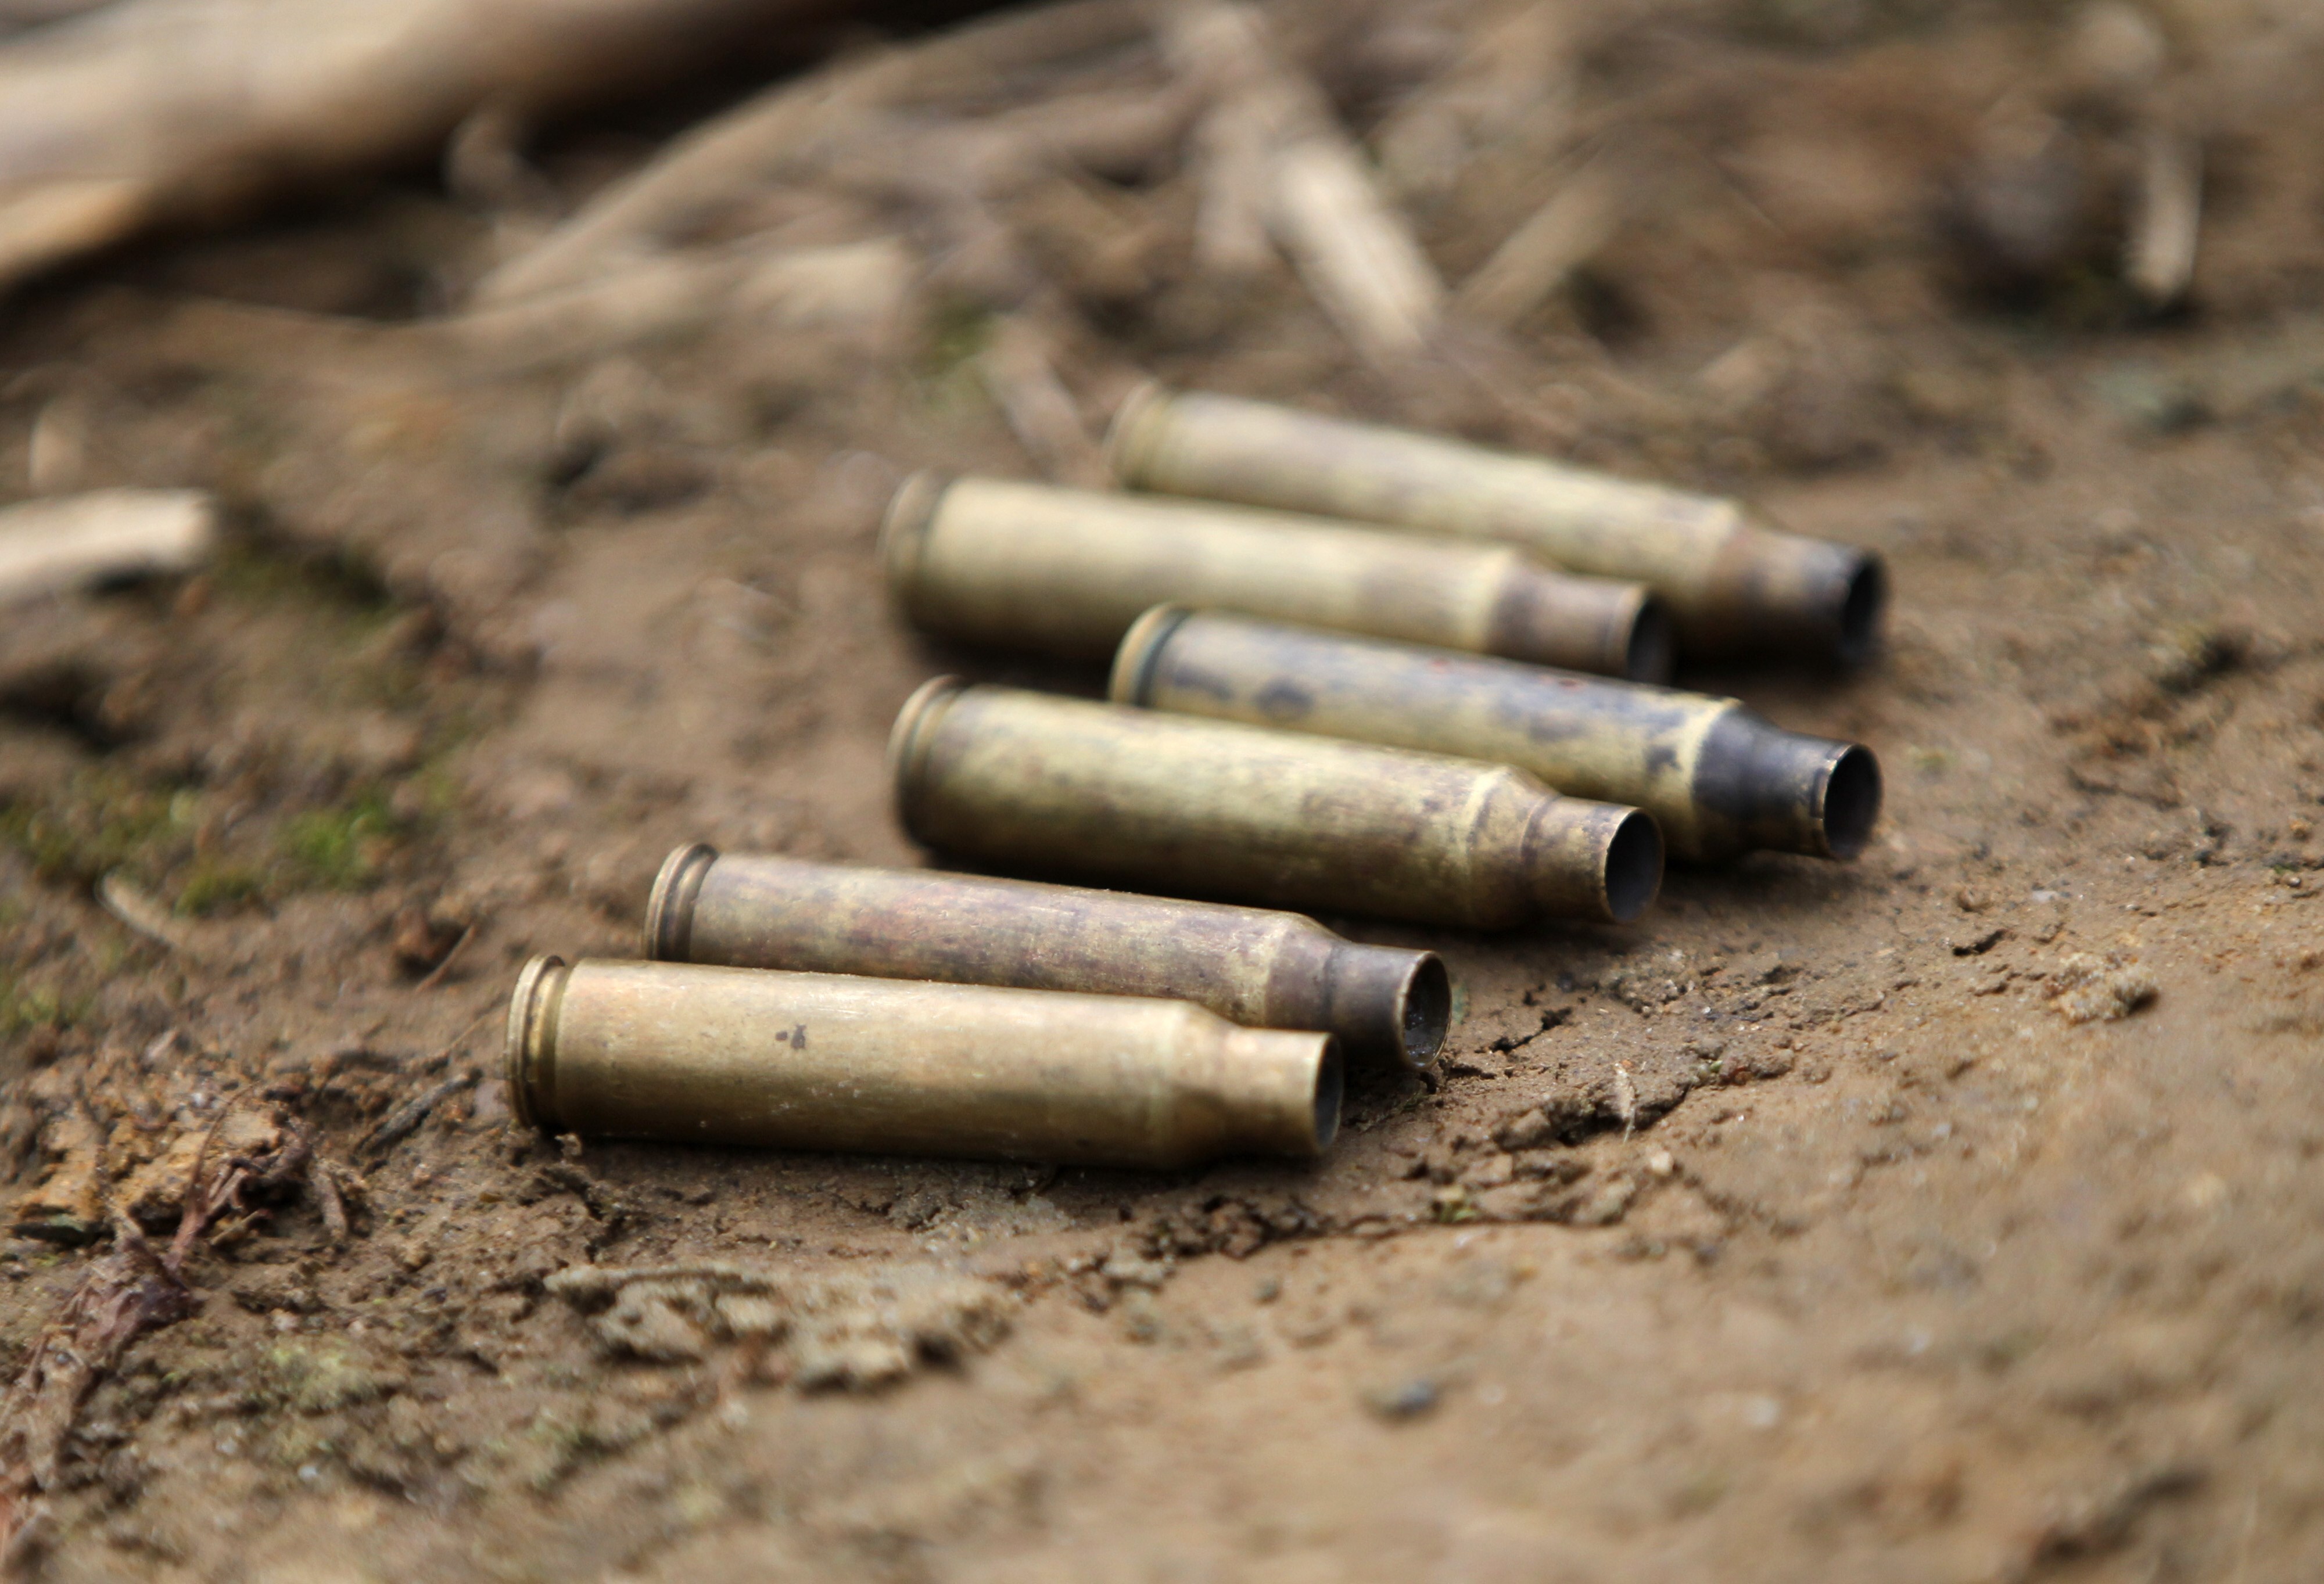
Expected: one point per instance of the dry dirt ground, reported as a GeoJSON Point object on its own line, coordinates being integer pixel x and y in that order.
{"type": "Point", "coordinates": [1797, 1232]}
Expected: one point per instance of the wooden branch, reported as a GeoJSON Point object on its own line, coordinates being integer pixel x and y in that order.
{"type": "Point", "coordinates": [1557, 239]}
{"type": "Point", "coordinates": [154, 111]}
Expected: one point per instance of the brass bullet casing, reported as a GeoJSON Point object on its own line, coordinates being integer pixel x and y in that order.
{"type": "Point", "coordinates": [1026, 565]}
{"type": "Point", "coordinates": [829, 1061]}
{"type": "Point", "coordinates": [1250, 965]}
{"type": "Point", "coordinates": [1221, 809]}
{"type": "Point", "coordinates": [1733, 585]}
{"type": "Point", "coordinates": [1718, 778]}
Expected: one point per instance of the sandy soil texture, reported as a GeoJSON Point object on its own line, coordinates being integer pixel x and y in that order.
{"type": "Point", "coordinates": [1948, 1215]}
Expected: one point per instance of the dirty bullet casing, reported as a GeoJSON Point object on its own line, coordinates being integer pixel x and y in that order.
{"type": "Point", "coordinates": [1217, 808]}
{"type": "Point", "coordinates": [1250, 965]}
{"type": "Point", "coordinates": [1732, 584]}
{"type": "Point", "coordinates": [1718, 779]}
{"type": "Point", "coordinates": [830, 1061]}
{"type": "Point", "coordinates": [1066, 572]}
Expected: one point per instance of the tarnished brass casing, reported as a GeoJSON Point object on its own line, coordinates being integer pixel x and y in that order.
{"type": "Point", "coordinates": [1255, 966]}
{"type": "Point", "coordinates": [1732, 583]}
{"type": "Point", "coordinates": [1215, 808]}
{"type": "Point", "coordinates": [1718, 778]}
{"type": "Point", "coordinates": [1026, 565]}
{"type": "Point", "coordinates": [829, 1061]}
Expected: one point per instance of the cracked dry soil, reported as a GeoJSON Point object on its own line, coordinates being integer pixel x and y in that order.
{"type": "Point", "coordinates": [1949, 1215]}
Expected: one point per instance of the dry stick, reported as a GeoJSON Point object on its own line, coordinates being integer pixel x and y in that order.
{"type": "Point", "coordinates": [1557, 239]}
{"type": "Point", "coordinates": [1016, 368]}
{"type": "Point", "coordinates": [162, 110]}
{"type": "Point", "coordinates": [399, 1123]}
{"type": "Point", "coordinates": [1358, 258]}
{"type": "Point", "coordinates": [791, 125]}
{"type": "Point", "coordinates": [47, 547]}
{"type": "Point", "coordinates": [404, 1121]}
{"type": "Point", "coordinates": [2166, 226]}
{"type": "Point", "coordinates": [436, 975]}
{"type": "Point", "coordinates": [856, 286]}
{"type": "Point", "coordinates": [1233, 160]}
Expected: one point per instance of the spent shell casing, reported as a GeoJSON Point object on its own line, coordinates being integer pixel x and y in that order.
{"type": "Point", "coordinates": [829, 1061]}
{"type": "Point", "coordinates": [1251, 965]}
{"type": "Point", "coordinates": [1733, 585]}
{"type": "Point", "coordinates": [1216, 808]}
{"type": "Point", "coordinates": [1718, 779]}
{"type": "Point", "coordinates": [1066, 572]}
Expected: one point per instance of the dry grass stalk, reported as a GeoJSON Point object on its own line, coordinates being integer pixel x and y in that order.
{"type": "Point", "coordinates": [791, 128]}
{"type": "Point", "coordinates": [149, 111]}
{"type": "Point", "coordinates": [859, 288]}
{"type": "Point", "coordinates": [132, 906]}
{"type": "Point", "coordinates": [1273, 155]}
{"type": "Point", "coordinates": [49, 546]}
{"type": "Point", "coordinates": [1539, 256]}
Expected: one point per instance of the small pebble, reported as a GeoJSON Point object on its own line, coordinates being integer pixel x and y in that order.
{"type": "Point", "coordinates": [1406, 1399]}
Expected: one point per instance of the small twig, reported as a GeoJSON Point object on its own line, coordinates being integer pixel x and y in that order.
{"type": "Point", "coordinates": [404, 1121]}
{"type": "Point", "coordinates": [1626, 1099]}
{"type": "Point", "coordinates": [47, 547]}
{"type": "Point", "coordinates": [436, 975]}
{"type": "Point", "coordinates": [121, 898]}
{"type": "Point", "coordinates": [1017, 369]}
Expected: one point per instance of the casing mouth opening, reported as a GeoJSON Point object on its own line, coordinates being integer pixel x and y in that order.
{"type": "Point", "coordinates": [1860, 610]}
{"type": "Point", "coordinates": [1331, 1086]}
{"type": "Point", "coordinates": [1633, 866]}
{"type": "Point", "coordinates": [1849, 806]}
{"type": "Point", "coordinates": [670, 909]}
{"type": "Point", "coordinates": [1427, 1005]}
{"type": "Point", "coordinates": [1652, 653]}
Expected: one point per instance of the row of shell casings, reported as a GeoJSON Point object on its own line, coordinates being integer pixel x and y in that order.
{"type": "Point", "coordinates": [789, 1003]}
{"type": "Point", "coordinates": [1375, 531]}
{"type": "Point", "coordinates": [1262, 762]}
{"type": "Point", "coordinates": [1311, 761]}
